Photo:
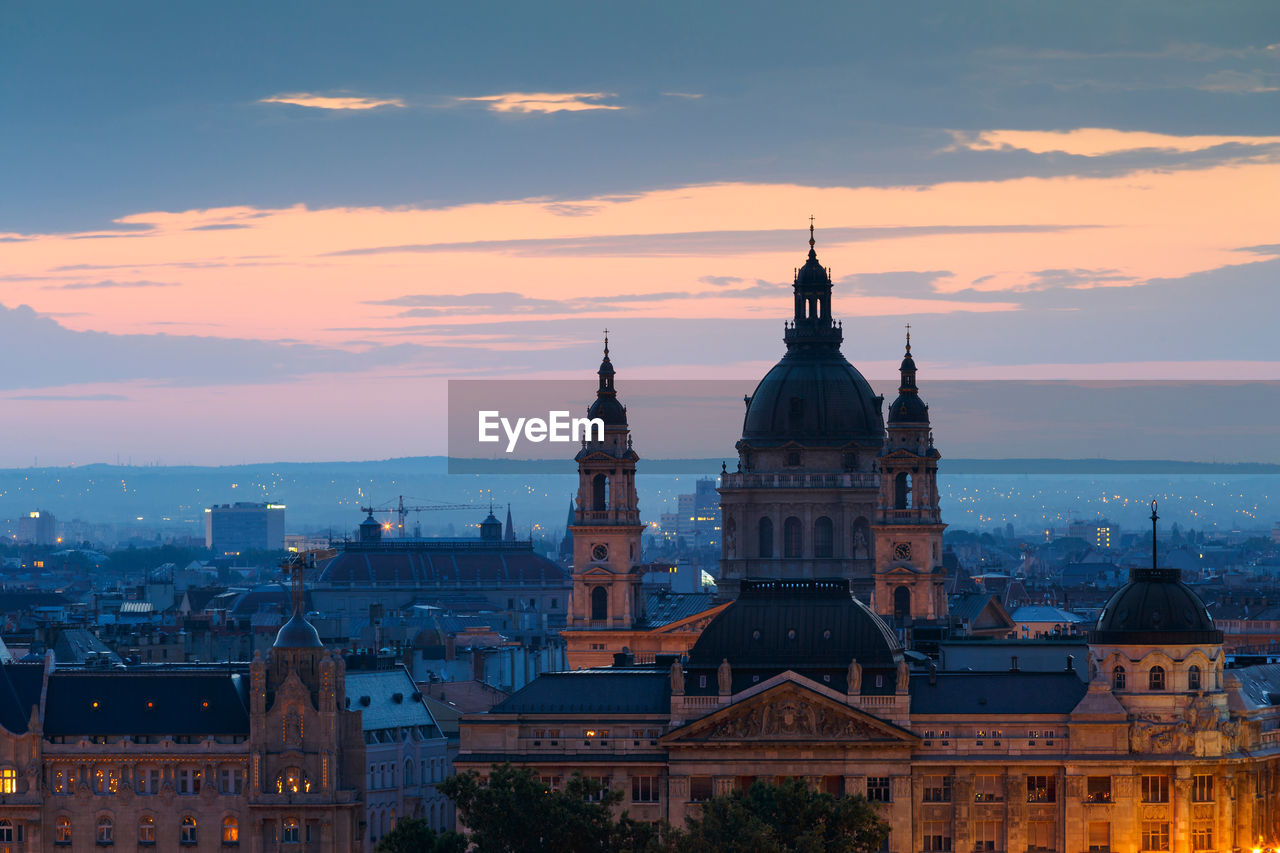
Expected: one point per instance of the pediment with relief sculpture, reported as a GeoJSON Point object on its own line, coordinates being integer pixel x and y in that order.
{"type": "Point", "coordinates": [792, 713]}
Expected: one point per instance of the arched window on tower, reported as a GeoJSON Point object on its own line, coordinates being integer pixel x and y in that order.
{"type": "Point", "coordinates": [792, 537]}
{"type": "Point", "coordinates": [599, 604]}
{"type": "Point", "coordinates": [766, 537]}
{"type": "Point", "coordinates": [1117, 678]}
{"type": "Point", "coordinates": [902, 603]}
{"type": "Point", "coordinates": [902, 491]}
{"type": "Point", "coordinates": [1193, 678]}
{"type": "Point", "coordinates": [600, 492]}
{"type": "Point", "coordinates": [1155, 678]}
{"type": "Point", "coordinates": [823, 537]}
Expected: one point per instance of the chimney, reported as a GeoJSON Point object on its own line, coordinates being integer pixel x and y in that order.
{"type": "Point", "coordinates": [624, 658]}
{"type": "Point", "coordinates": [1013, 663]}
{"type": "Point", "coordinates": [933, 673]}
{"type": "Point", "coordinates": [1071, 663]}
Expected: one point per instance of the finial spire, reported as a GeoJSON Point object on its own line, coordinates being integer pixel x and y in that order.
{"type": "Point", "coordinates": [812, 242]}
{"type": "Point", "coordinates": [1154, 518]}
{"type": "Point", "coordinates": [606, 343]}
{"type": "Point", "coordinates": [908, 339]}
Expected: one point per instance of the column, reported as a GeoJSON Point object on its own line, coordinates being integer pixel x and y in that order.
{"type": "Point", "coordinates": [1181, 828]}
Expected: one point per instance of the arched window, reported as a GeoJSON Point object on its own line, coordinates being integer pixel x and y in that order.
{"type": "Point", "coordinates": [1193, 678]}
{"type": "Point", "coordinates": [902, 491]}
{"type": "Point", "coordinates": [1156, 678]}
{"type": "Point", "coordinates": [766, 538]}
{"type": "Point", "coordinates": [408, 771]}
{"type": "Point", "coordinates": [901, 603]}
{"type": "Point", "coordinates": [106, 831]}
{"type": "Point", "coordinates": [792, 537]}
{"type": "Point", "coordinates": [146, 830]}
{"type": "Point", "coordinates": [293, 781]}
{"type": "Point", "coordinates": [10, 832]}
{"type": "Point", "coordinates": [188, 834]}
{"type": "Point", "coordinates": [230, 830]}
{"type": "Point", "coordinates": [292, 833]}
{"type": "Point", "coordinates": [600, 492]}
{"type": "Point", "coordinates": [62, 830]}
{"type": "Point", "coordinates": [823, 537]}
{"type": "Point", "coordinates": [599, 604]}
{"type": "Point", "coordinates": [1117, 678]}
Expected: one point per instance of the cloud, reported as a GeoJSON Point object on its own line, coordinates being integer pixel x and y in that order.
{"type": "Point", "coordinates": [1096, 141]}
{"type": "Point", "coordinates": [544, 102]}
{"type": "Point", "coordinates": [720, 280]}
{"type": "Point", "coordinates": [331, 102]}
{"type": "Point", "coordinates": [94, 285]}
{"type": "Point", "coordinates": [697, 242]}
{"type": "Point", "coordinates": [70, 398]}
{"type": "Point", "coordinates": [689, 95]}
{"type": "Point", "coordinates": [1239, 82]}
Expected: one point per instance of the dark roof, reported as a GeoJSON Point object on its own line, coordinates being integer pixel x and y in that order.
{"type": "Point", "coordinates": [74, 645]}
{"type": "Point", "coordinates": [813, 399]}
{"type": "Point", "coordinates": [1155, 607]}
{"type": "Point", "coordinates": [393, 699]}
{"type": "Point", "coordinates": [593, 691]}
{"type": "Point", "coordinates": [14, 600]}
{"type": "Point", "coordinates": [996, 692]}
{"type": "Point", "coordinates": [662, 607]}
{"type": "Point", "coordinates": [428, 562]}
{"type": "Point", "coordinates": [20, 686]}
{"type": "Point", "coordinates": [199, 702]}
{"type": "Point", "coordinates": [273, 596]}
{"type": "Point", "coordinates": [796, 625]}
{"type": "Point", "coordinates": [298, 633]}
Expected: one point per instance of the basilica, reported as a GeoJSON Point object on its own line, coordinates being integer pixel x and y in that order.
{"type": "Point", "coordinates": [804, 667]}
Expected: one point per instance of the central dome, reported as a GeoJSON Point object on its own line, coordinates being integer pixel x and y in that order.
{"type": "Point", "coordinates": [813, 396]}
{"type": "Point", "coordinates": [813, 399]}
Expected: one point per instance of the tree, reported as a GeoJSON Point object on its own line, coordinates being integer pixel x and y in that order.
{"type": "Point", "coordinates": [514, 812]}
{"type": "Point", "coordinates": [414, 835]}
{"type": "Point", "coordinates": [785, 818]}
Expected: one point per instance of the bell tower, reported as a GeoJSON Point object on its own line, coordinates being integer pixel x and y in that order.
{"type": "Point", "coordinates": [910, 580]}
{"type": "Point", "coordinates": [606, 524]}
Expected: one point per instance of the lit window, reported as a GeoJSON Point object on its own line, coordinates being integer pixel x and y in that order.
{"type": "Point", "coordinates": [293, 781]}
{"type": "Point", "coordinates": [188, 780]}
{"type": "Point", "coordinates": [188, 835]}
{"type": "Point", "coordinates": [1042, 789]}
{"type": "Point", "coordinates": [230, 830]}
{"type": "Point", "coordinates": [63, 780]}
{"type": "Point", "coordinates": [62, 830]}
{"type": "Point", "coordinates": [988, 789]}
{"type": "Point", "coordinates": [8, 780]}
{"type": "Point", "coordinates": [292, 833]}
{"type": "Point", "coordinates": [147, 830]}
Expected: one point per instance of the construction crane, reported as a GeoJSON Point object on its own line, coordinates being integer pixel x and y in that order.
{"type": "Point", "coordinates": [293, 566]}
{"type": "Point", "coordinates": [401, 511]}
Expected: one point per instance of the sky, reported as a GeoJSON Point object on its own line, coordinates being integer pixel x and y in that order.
{"type": "Point", "coordinates": [243, 232]}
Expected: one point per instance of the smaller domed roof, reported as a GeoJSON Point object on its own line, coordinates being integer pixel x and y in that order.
{"type": "Point", "coordinates": [1155, 608]}
{"type": "Point", "coordinates": [908, 408]}
{"type": "Point", "coordinates": [606, 406]}
{"type": "Point", "coordinates": [298, 633]}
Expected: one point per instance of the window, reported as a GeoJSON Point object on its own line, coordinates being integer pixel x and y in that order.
{"type": "Point", "coordinates": [1155, 678]}
{"type": "Point", "coordinates": [766, 537]}
{"type": "Point", "coordinates": [408, 771]}
{"type": "Point", "coordinates": [230, 830]}
{"type": "Point", "coordinates": [8, 780]}
{"type": "Point", "coordinates": [294, 781]}
{"type": "Point", "coordinates": [63, 780]}
{"type": "Point", "coordinates": [823, 537]}
{"type": "Point", "coordinates": [188, 780]}
{"type": "Point", "coordinates": [937, 789]}
{"type": "Point", "coordinates": [1202, 835]}
{"type": "Point", "coordinates": [878, 790]}
{"type": "Point", "coordinates": [10, 831]}
{"type": "Point", "coordinates": [599, 604]}
{"type": "Point", "coordinates": [988, 789]}
{"type": "Point", "coordinates": [1193, 678]}
{"type": "Point", "coordinates": [148, 780]}
{"type": "Point", "coordinates": [188, 832]}
{"type": "Point", "coordinates": [644, 789]}
{"type": "Point", "coordinates": [1117, 678]}
{"type": "Point", "coordinates": [1099, 837]}
{"type": "Point", "coordinates": [62, 830]}
{"type": "Point", "coordinates": [106, 831]}
{"type": "Point", "coordinates": [699, 789]}
{"type": "Point", "coordinates": [1040, 835]}
{"type": "Point", "coordinates": [937, 836]}
{"type": "Point", "coordinates": [792, 537]}
{"type": "Point", "coordinates": [988, 835]}
{"type": "Point", "coordinates": [1202, 788]}
{"type": "Point", "coordinates": [147, 830]}
{"type": "Point", "coordinates": [1155, 789]}
{"type": "Point", "coordinates": [1098, 789]}
{"type": "Point", "coordinates": [1042, 789]}
{"type": "Point", "coordinates": [292, 831]}
{"type": "Point", "coordinates": [232, 781]}
{"type": "Point", "coordinates": [106, 780]}
{"type": "Point", "coordinates": [1155, 835]}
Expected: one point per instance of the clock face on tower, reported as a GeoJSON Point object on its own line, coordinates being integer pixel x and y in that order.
{"type": "Point", "coordinates": [902, 551]}
{"type": "Point", "coordinates": [600, 552]}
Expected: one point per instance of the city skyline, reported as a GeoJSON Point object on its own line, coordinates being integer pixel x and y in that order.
{"type": "Point", "coordinates": [213, 237]}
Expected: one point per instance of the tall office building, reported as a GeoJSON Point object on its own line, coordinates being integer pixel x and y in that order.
{"type": "Point", "coordinates": [242, 526]}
